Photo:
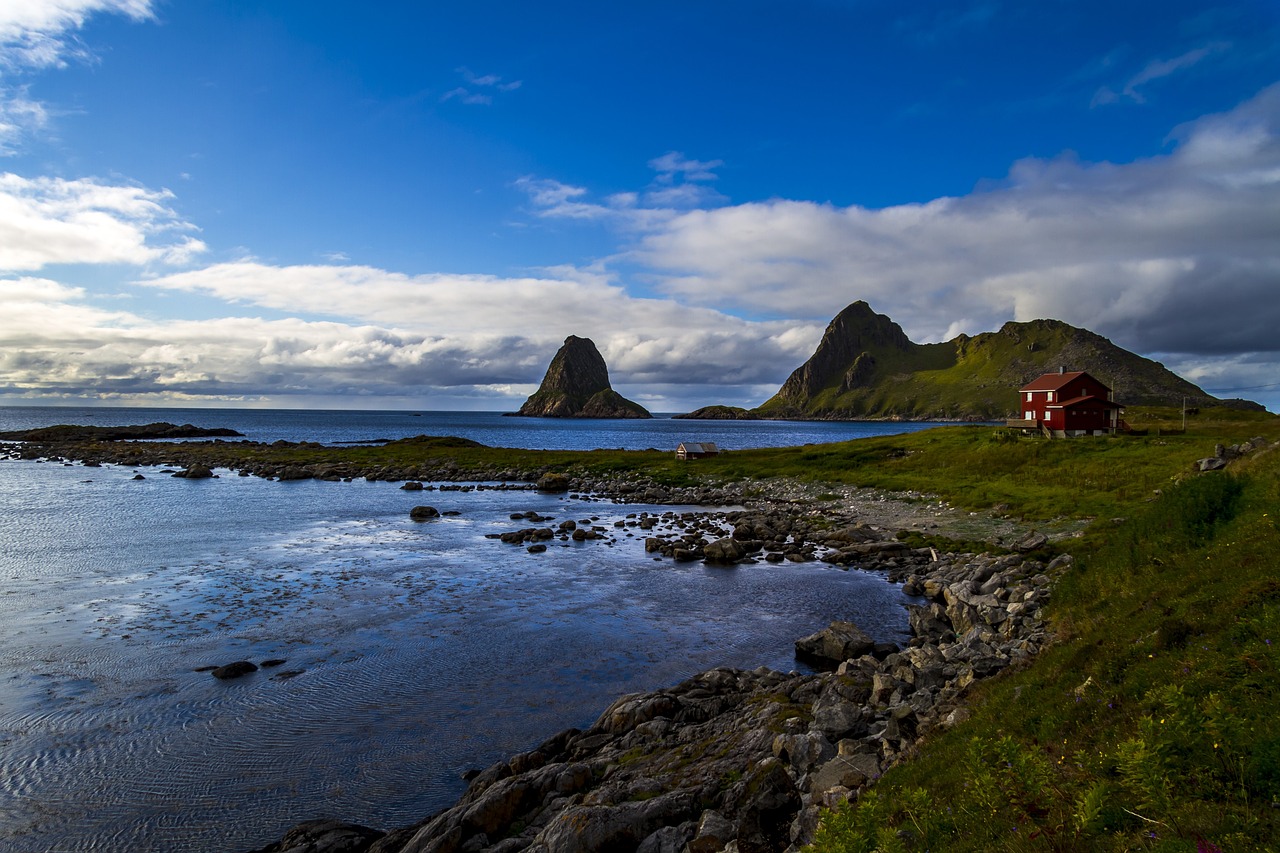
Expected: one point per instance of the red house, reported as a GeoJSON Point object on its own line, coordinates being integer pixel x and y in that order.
{"type": "Point", "coordinates": [1062, 404]}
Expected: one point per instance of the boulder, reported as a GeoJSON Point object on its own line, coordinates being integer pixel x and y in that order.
{"type": "Point", "coordinates": [234, 670]}
{"type": "Point", "coordinates": [723, 551]}
{"type": "Point", "coordinates": [422, 513]}
{"type": "Point", "coordinates": [838, 642]}
{"type": "Point", "coordinates": [1031, 542]}
{"type": "Point", "coordinates": [553, 483]}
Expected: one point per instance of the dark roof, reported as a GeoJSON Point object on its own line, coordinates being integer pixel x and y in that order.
{"type": "Point", "coordinates": [698, 447]}
{"type": "Point", "coordinates": [1054, 381]}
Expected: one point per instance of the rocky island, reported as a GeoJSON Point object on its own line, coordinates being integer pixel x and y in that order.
{"type": "Point", "coordinates": [576, 385]}
{"type": "Point", "coordinates": [866, 368]}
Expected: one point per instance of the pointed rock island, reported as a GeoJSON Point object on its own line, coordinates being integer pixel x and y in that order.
{"type": "Point", "coordinates": [577, 386]}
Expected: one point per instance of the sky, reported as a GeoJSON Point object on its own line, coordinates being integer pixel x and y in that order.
{"type": "Point", "coordinates": [410, 205]}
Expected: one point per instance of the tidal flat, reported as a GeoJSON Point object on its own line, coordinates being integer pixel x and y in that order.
{"type": "Point", "coordinates": [412, 651]}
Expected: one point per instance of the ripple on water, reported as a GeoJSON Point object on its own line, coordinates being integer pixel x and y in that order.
{"type": "Point", "coordinates": [419, 650]}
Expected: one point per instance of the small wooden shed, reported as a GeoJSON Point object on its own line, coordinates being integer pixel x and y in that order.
{"type": "Point", "coordinates": [696, 450]}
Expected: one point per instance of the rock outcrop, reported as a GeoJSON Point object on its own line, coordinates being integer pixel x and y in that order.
{"type": "Point", "coordinates": [577, 386]}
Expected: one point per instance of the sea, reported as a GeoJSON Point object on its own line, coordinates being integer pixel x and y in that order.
{"type": "Point", "coordinates": [409, 652]}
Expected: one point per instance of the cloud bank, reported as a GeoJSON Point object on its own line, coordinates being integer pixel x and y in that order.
{"type": "Point", "coordinates": [1175, 256]}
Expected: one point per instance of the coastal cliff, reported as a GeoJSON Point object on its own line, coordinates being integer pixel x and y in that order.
{"type": "Point", "coordinates": [576, 385]}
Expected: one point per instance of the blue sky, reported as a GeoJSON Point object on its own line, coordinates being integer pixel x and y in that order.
{"type": "Point", "coordinates": [410, 205]}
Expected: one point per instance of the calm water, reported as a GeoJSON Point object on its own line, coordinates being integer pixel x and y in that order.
{"type": "Point", "coordinates": [331, 427]}
{"type": "Point", "coordinates": [420, 650]}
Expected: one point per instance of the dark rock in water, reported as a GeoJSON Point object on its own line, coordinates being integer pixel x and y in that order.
{"type": "Point", "coordinates": [725, 551]}
{"type": "Point", "coordinates": [577, 386]}
{"type": "Point", "coordinates": [536, 549]}
{"type": "Point", "coordinates": [325, 836]}
{"type": "Point", "coordinates": [139, 477]}
{"type": "Point", "coordinates": [72, 432]}
{"type": "Point", "coordinates": [838, 642]}
{"type": "Point", "coordinates": [422, 513]}
{"type": "Point", "coordinates": [234, 670]}
{"type": "Point", "coordinates": [719, 413]}
{"type": "Point", "coordinates": [195, 472]}
{"type": "Point", "coordinates": [273, 662]}
{"type": "Point", "coordinates": [412, 486]}
{"type": "Point", "coordinates": [553, 483]}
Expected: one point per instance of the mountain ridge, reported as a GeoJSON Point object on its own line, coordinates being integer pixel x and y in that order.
{"type": "Point", "coordinates": [866, 368]}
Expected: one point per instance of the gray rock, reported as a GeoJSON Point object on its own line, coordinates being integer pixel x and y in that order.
{"type": "Point", "coordinates": [723, 551]}
{"type": "Point", "coordinates": [846, 771]}
{"type": "Point", "coordinates": [1031, 542]}
{"type": "Point", "coordinates": [839, 641]}
{"type": "Point", "coordinates": [553, 483]}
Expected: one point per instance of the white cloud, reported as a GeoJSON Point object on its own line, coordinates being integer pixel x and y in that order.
{"type": "Point", "coordinates": [47, 221]}
{"type": "Point", "coordinates": [1173, 253]}
{"type": "Point", "coordinates": [678, 185]}
{"type": "Point", "coordinates": [19, 117]}
{"type": "Point", "coordinates": [674, 163]}
{"type": "Point", "coordinates": [1156, 70]}
{"type": "Point", "coordinates": [480, 88]}
{"type": "Point", "coordinates": [397, 336]}
{"type": "Point", "coordinates": [40, 34]}
{"type": "Point", "coordinates": [552, 198]}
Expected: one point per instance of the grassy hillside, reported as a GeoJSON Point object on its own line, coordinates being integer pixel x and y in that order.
{"type": "Point", "coordinates": [866, 368]}
{"type": "Point", "coordinates": [1152, 724]}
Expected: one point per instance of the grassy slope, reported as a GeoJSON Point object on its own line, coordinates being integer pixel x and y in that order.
{"type": "Point", "coordinates": [1153, 723]}
{"type": "Point", "coordinates": [978, 377]}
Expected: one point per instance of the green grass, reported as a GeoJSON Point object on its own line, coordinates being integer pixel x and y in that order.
{"type": "Point", "coordinates": [1151, 725]}
{"type": "Point", "coordinates": [973, 467]}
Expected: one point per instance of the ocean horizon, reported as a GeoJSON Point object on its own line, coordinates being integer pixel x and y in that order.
{"type": "Point", "coordinates": [495, 429]}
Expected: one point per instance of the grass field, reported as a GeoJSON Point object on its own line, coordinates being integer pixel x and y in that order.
{"type": "Point", "coordinates": [1154, 722]}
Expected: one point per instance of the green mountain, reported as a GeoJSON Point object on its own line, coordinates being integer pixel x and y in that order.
{"type": "Point", "coordinates": [865, 367]}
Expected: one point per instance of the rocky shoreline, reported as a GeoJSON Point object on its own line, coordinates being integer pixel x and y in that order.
{"type": "Point", "coordinates": [738, 760]}
{"type": "Point", "coordinates": [728, 760]}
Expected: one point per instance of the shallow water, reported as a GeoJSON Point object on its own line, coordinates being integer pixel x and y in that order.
{"type": "Point", "coordinates": [420, 649]}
